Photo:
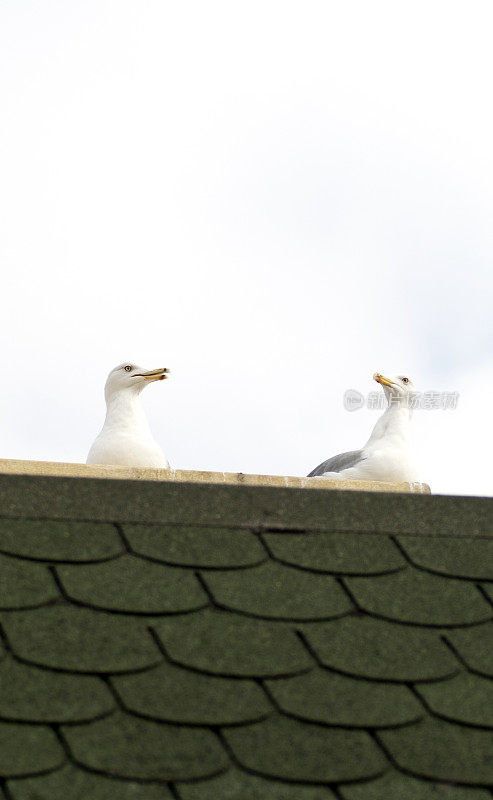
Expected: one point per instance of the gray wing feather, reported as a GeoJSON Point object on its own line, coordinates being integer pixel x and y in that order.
{"type": "Point", "coordinates": [338, 463]}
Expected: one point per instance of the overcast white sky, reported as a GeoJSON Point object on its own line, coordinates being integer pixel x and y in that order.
{"type": "Point", "coordinates": [273, 199]}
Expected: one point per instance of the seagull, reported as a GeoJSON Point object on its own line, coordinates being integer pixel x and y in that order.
{"type": "Point", "coordinates": [387, 455]}
{"type": "Point", "coordinates": [126, 439]}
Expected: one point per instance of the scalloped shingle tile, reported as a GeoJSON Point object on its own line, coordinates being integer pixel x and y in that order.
{"type": "Point", "coordinates": [222, 643]}
{"type": "Point", "coordinates": [277, 591]}
{"type": "Point", "coordinates": [396, 786]}
{"type": "Point", "coordinates": [134, 586]}
{"type": "Point", "coordinates": [129, 747]}
{"type": "Point", "coordinates": [238, 785]}
{"type": "Point", "coordinates": [24, 584]}
{"type": "Point", "coordinates": [459, 558]}
{"type": "Point", "coordinates": [475, 647]}
{"type": "Point", "coordinates": [297, 751]}
{"type": "Point", "coordinates": [326, 697]}
{"type": "Point", "coordinates": [56, 540]}
{"type": "Point", "coordinates": [31, 694]}
{"type": "Point", "coordinates": [442, 751]}
{"type": "Point", "coordinates": [28, 749]}
{"type": "Point", "coordinates": [380, 650]}
{"type": "Point", "coordinates": [336, 553]}
{"type": "Point", "coordinates": [466, 698]}
{"type": "Point", "coordinates": [165, 693]}
{"type": "Point", "coordinates": [71, 783]}
{"type": "Point", "coordinates": [419, 598]}
{"type": "Point", "coordinates": [76, 639]}
{"type": "Point", "coordinates": [196, 546]}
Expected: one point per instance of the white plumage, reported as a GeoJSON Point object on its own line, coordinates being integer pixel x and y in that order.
{"type": "Point", "coordinates": [387, 455]}
{"type": "Point", "coordinates": [126, 439]}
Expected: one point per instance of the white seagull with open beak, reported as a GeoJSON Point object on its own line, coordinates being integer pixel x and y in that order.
{"type": "Point", "coordinates": [387, 455]}
{"type": "Point", "coordinates": [126, 439]}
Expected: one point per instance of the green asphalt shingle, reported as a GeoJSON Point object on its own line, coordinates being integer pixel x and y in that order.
{"type": "Point", "coordinates": [222, 643]}
{"type": "Point", "coordinates": [466, 698]}
{"type": "Point", "coordinates": [336, 553]}
{"type": "Point", "coordinates": [27, 749]}
{"type": "Point", "coordinates": [442, 751]}
{"type": "Point", "coordinates": [396, 786]}
{"type": "Point", "coordinates": [474, 646]}
{"type": "Point", "coordinates": [296, 751]}
{"type": "Point", "coordinates": [132, 585]}
{"type": "Point", "coordinates": [417, 597]}
{"type": "Point", "coordinates": [29, 694]}
{"type": "Point", "coordinates": [66, 637]}
{"type": "Point", "coordinates": [131, 747]}
{"type": "Point", "coordinates": [195, 546]}
{"type": "Point", "coordinates": [204, 642]}
{"type": "Point", "coordinates": [72, 783]}
{"type": "Point", "coordinates": [173, 694]}
{"type": "Point", "coordinates": [238, 785]}
{"type": "Point", "coordinates": [52, 540]}
{"type": "Point", "coordinates": [277, 591]}
{"type": "Point", "coordinates": [379, 650]}
{"type": "Point", "coordinates": [333, 699]}
{"type": "Point", "coordinates": [452, 558]}
{"type": "Point", "coordinates": [25, 585]}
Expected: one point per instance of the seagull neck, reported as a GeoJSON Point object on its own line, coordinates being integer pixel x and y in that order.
{"type": "Point", "coordinates": [124, 410]}
{"type": "Point", "coordinates": [393, 422]}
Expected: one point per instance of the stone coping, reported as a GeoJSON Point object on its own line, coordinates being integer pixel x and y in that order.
{"type": "Point", "coordinates": [74, 470]}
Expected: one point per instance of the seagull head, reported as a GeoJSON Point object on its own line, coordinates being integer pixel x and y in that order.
{"type": "Point", "coordinates": [399, 389]}
{"type": "Point", "coordinates": [128, 377]}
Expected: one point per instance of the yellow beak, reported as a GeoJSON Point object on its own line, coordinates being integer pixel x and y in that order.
{"type": "Point", "coordinates": [154, 374]}
{"type": "Point", "coordinates": [382, 379]}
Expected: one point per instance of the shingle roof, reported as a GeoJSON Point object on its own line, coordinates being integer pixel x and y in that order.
{"type": "Point", "coordinates": [242, 643]}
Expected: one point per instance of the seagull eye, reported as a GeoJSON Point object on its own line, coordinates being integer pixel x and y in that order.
{"type": "Point", "coordinates": [404, 380]}
{"type": "Point", "coordinates": [128, 368]}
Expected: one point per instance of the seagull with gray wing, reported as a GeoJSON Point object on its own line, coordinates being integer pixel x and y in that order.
{"type": "Point", "coordinates": [387, 455]}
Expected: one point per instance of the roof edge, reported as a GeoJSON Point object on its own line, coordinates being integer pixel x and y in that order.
{"type": "Point", "coordinates": [76, 470]}
{"type": "Point", "coordinates": [254, 507]}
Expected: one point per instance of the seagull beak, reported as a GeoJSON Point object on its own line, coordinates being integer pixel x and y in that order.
{"type": "Point", "coordinates": [154, 374]}
{"type": "Point", "coordinates": [382, 379]}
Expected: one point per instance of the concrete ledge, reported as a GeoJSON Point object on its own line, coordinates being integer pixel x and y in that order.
{"type": "Point", "coordinates": [72, 470]}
